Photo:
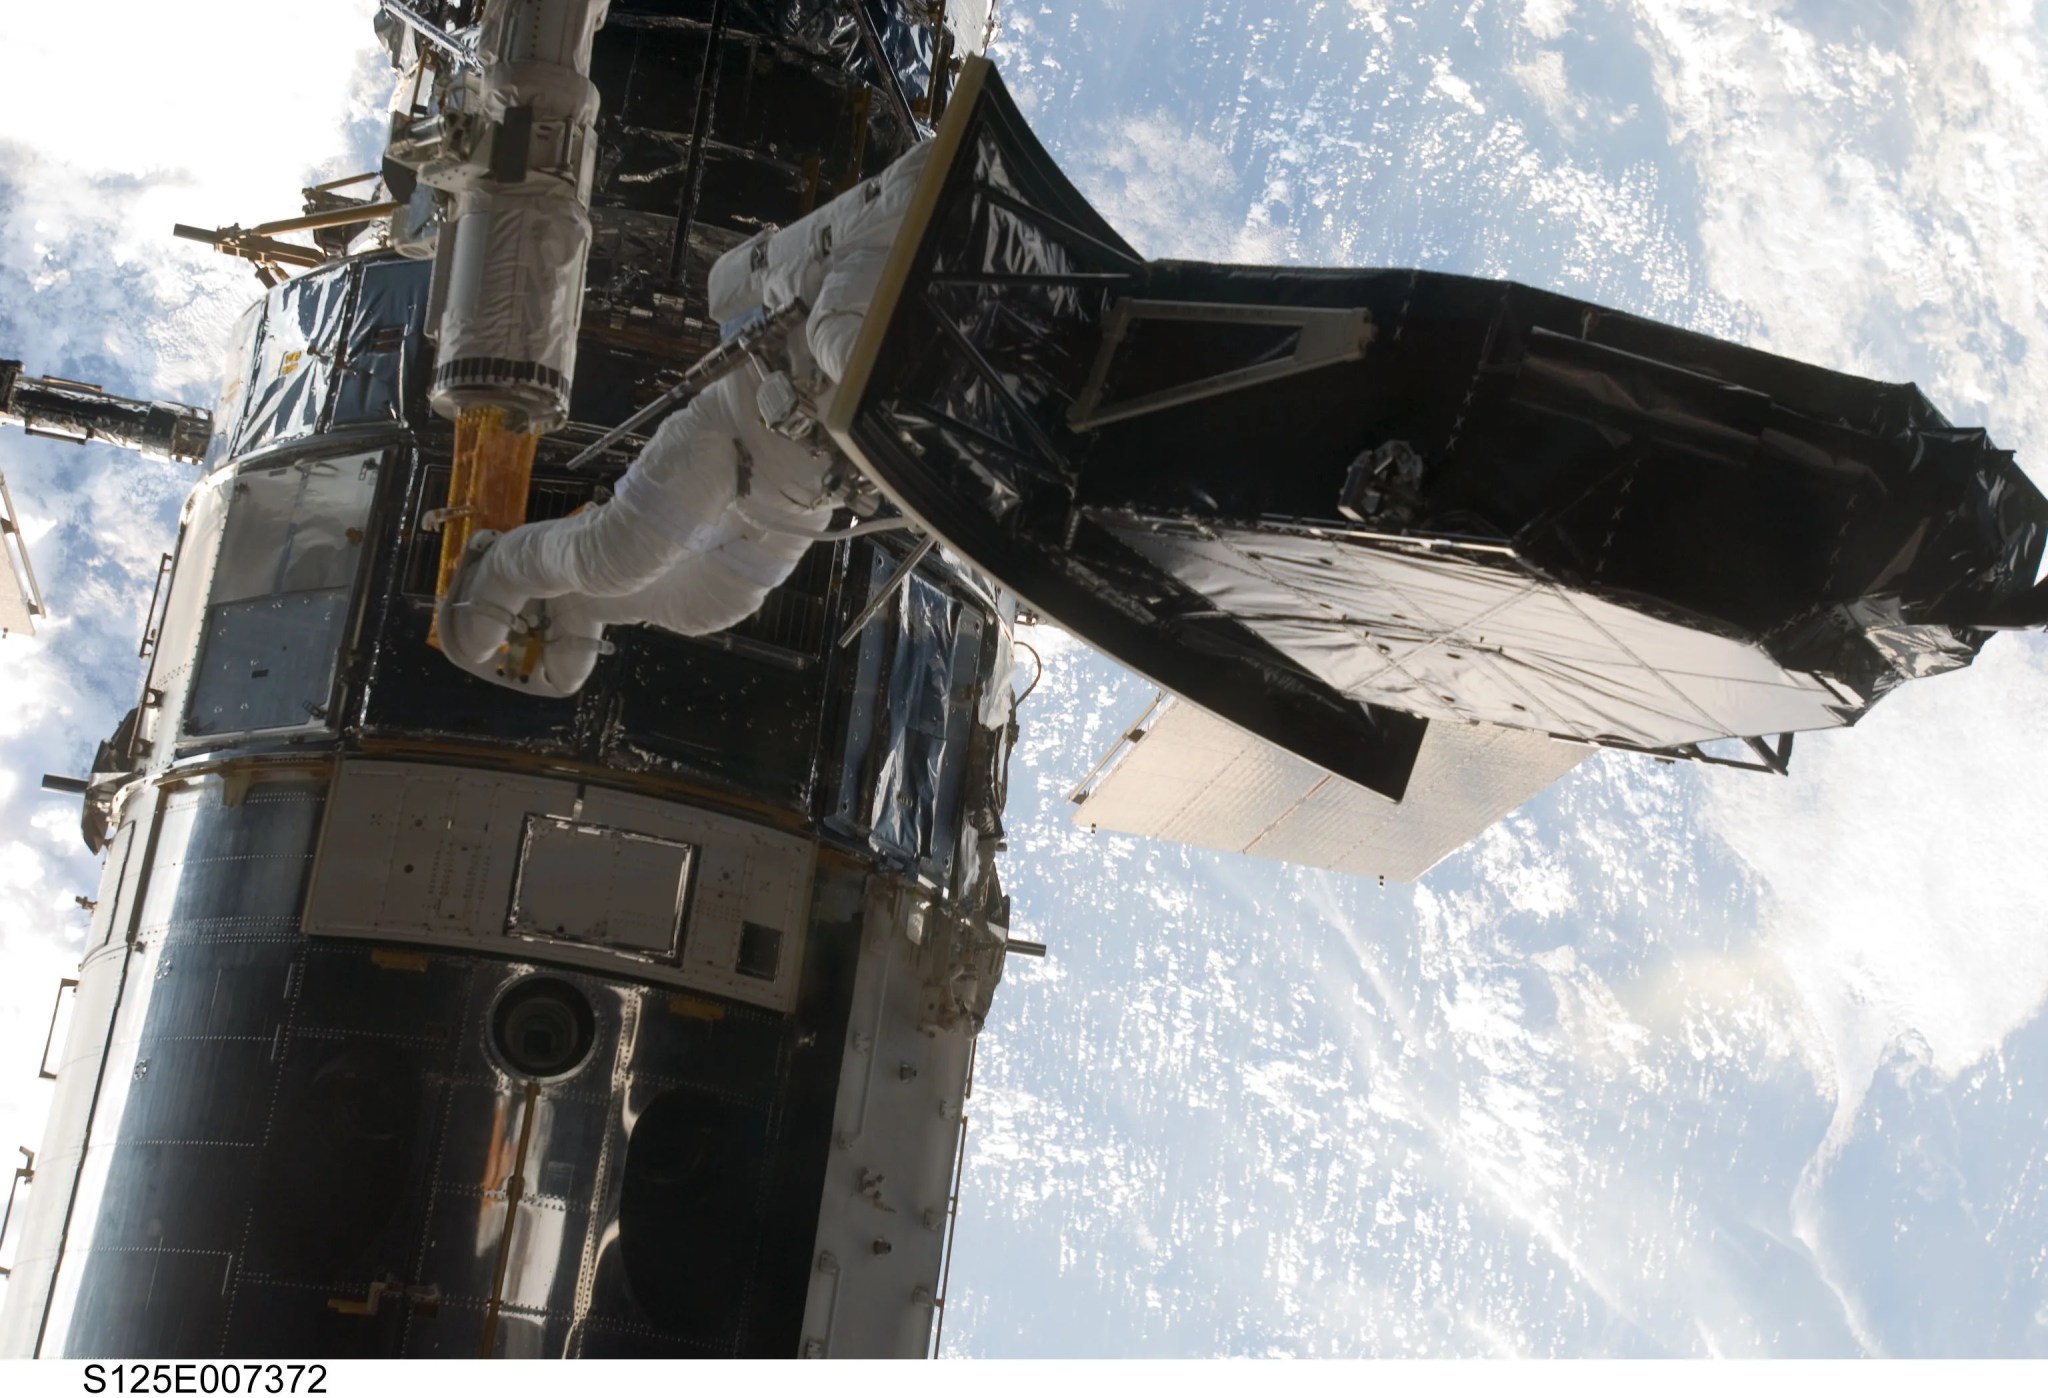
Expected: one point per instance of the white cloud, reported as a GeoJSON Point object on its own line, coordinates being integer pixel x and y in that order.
{"type": "Point", "coordinates": [1873, 203]}
{"type": "Point", "coordinates": [1455, 88]}
{"type": "Point", "coordinates": [1373, 15]}
{"type": "Point", "coordinates": [1873, 208]}
{"type": "Point", "coordinates": [1876, 206]}
{"type": "Point", "coordinates": [1542, 76]}
{"type": "Point", "coordinates": [1903, 868]}
{"type": "Point", "coordinates": [1593, 1029]}
{"type": "Point", "coordinates": [1547, 19]}
{"type": "Point", "coordinates": [1171, 193]}
{"type": "Point", "coordinates": [1897, 861]}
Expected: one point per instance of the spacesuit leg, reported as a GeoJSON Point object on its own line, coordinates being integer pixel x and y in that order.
{"type": "Point", "coordinates": [677, 496]}
{"type": "Point", "coordinates": [674, 497]}
{"type": "Point", "coordinates": [509, 619]}
{"type": "Point", "coordinates": [704, 592]}
{"type": "Point", "coordinates": [544, 648]}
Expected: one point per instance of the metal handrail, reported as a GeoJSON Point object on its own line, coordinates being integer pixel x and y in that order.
{"type": "Point", "coordinates": [24, 1173]}
{"type": "Point", "coordinates": [953, 1209]}
{"type": "Point", "coordinates": [50, 1038]}
{"type": "Point", "coordinates": [151, 627]}
{"type": "Point", "coordinates": [760, 335]}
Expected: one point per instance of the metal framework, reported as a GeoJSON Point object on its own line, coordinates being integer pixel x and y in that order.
{"type": "Point", "coordinates": [1321, 337]}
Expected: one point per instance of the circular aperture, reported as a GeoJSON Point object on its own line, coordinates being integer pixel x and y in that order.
{"type": "Point", "coordinates": [543, 1027]}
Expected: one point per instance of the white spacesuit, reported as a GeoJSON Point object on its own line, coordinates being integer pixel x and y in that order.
{"type": "Point", "coordinates": [718, 508]}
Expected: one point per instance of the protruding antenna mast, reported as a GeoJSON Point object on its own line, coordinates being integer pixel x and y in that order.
{"type": "Point", "coordinates": [332, 218]}
{"type": "Point", "coordinates": [84, 412]}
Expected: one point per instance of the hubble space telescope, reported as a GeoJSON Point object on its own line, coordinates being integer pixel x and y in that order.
{"type": "Point", "coordinates": [499, 982]}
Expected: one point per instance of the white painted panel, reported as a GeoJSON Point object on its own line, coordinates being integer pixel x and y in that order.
{"type": "Point", "coordinates": [896, 1127]}
{"type": "Point", "coordinates": [1196, 779]}
{"type": "Point", "coordinates": [109, 902]}
{"type": "Point", "coordinates": [489, 861]}
{"type": "Point", "coordinates": [1467, 776]}
{"type": "Point", "coordinates": [607, 887]}
{"type": "Point", "coordinates": [413, 851]}
{"type": "Point", "coordinates": [970, 22]}
{"type": "Point", "coordinates": [744, 873]}
{"type": "Point", "coordinates": [183, 629]}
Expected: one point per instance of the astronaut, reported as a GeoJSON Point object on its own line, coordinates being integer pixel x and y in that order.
{"type": "Point", "coordinates": [727, 495]}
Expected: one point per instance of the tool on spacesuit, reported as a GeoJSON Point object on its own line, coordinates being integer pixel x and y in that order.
{"type": "Point", "coordinates": [749, 339]}
{"type": "Point", "coordinates": [785, 409]}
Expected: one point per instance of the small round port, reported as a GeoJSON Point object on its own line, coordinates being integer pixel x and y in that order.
{"type": "Point", "coordinates": [543, 1027]}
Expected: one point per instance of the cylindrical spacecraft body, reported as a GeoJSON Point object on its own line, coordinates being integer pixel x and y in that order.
{"type": "Point", "coordinates": [419, 1016]}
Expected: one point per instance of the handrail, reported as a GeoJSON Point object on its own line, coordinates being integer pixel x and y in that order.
{"type": "Point", "coordinates": [151, 627]}
{"type": "Point", "coordinates": [953, 1209]}
{"type": "Point", "coordinates": [49, 1039]}
{"type": "Point", "coordinates": [24, 1173]}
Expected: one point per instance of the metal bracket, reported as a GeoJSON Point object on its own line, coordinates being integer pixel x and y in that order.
{"type": "Point", "coordinates": [259, 245]}
{"type": "Point", "coordinates": [1131, 737]}
{"type": "Point", "coordinates": [16, 556]}
{"type": "Point", "coordinates": [1324, 336]}
{"type": "Point", "coordinates": [888, 589]}
{"type": "Point", "coordinates": [1774, 758]}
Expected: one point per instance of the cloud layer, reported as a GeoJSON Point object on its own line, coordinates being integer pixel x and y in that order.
{"type": "Point", "coordinates": [1741, 1058]}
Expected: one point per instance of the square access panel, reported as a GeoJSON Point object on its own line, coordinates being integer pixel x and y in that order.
{"type": "Point", "coordinates": [603, 886]}
{"type": "Point", "coordinates": [621, 884]}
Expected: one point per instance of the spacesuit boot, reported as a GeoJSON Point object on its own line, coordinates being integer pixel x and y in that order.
{"type": "Point", "coordinates": [546, 647]}
{"type": "Point", "coordinates": [471, 621]}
